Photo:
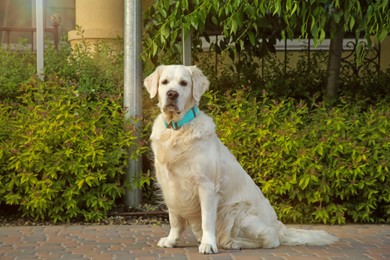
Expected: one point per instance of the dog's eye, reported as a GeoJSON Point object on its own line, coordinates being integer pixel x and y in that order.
{"type": "Point", "coordinates": [183, 83]}
{"type": "Point", "coordinates": [164, 82]}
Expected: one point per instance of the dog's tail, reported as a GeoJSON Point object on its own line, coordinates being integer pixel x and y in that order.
{"type": "Point", "coordinates": [294, 237]}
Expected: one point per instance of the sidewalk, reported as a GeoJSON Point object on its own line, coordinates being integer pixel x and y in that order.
{"type": "Point", "coordinates": [139, 242]}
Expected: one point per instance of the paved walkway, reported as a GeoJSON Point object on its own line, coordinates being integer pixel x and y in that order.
{"type": "Point", "coordinates": [139, 242]}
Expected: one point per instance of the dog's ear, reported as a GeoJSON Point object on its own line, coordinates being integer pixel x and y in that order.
{"type": "Point", "coordinates": [199, 81]}
{"type": "Point", "coordinates": [151, 82]}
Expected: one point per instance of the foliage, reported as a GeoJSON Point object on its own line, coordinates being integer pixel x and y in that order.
{"type": "Point", "coordinates": [250, 28]}
{"type": "Point", "coordinates": [314, 163]}
{"type": "Point", "coordinates": [296, 77]}
{"type": "Point", "coordinates": [358, 16]}
{"type": "Point", "coordinates": [302, 81]}
{"type": "Point", "coordinates": [367, 87]}
{"type": "Point", "coordinates": [15, 69]}
{"type": "Point", "coordinates": [253, 26]}
{"type": "Point", "coordinates": [100, 71]}
{"type": "Point", "coordinates": [63, 145]}
{"type": "Point", "coordinates": [92, 68]}
{"type": "Point", "coordinates": [63, 153]}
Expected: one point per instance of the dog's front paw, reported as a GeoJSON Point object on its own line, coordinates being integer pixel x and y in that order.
{"type": "Point", "coordinates": [166, 242]}
{"type": "Point", "coordinates": [205, 248]}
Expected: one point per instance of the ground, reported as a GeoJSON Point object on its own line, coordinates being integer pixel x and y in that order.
{"type": "Point", "coordinates": [140, 242]}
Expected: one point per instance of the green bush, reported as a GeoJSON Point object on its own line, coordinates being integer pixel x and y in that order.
{"type": "Point", "coordinates": [270, 74]}
{"type": "Point", "coordinates": [63, 155]}
{"type": "Point", "coordinates": [315, 163]}
{"type": "Point", "coordinates": [100, 71]}
{"type": "Point", "coordinates": [15, 68]}
{"type": "Point", "coordinates": [289, 80]}
{"type": "Point", "coordinates": [95, 72]}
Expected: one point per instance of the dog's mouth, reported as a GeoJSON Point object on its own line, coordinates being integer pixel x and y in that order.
{"type": "Point", "coordinates": [171, 108]}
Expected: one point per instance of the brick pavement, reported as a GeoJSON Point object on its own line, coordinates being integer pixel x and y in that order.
{"type": "Point", "coordinates": [139, 242]}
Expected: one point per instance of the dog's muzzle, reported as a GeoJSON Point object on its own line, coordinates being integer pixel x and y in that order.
{"type": "Point", "coordinates": [171, 104]}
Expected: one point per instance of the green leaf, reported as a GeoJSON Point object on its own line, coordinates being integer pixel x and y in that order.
{"type": "Point", "coordinates": [304, 181]}
{"type": "Point", "coordinates": [314, 32]}
{"type": "Point", "coordinates": [80, 183]}
{"type": "Point", "coordinates": [251, 38]}
{"type": "Point", "coordinates": [383, 34]}
{"type": "Point", "coordinates": [351, 23]}
{"type": "Point", "coordinates": [322, 35]}
{"type": "Point", "coordinates": [234, 25]}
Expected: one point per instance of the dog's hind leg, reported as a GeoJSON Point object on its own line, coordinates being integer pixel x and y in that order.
{"type": "Point", "coordinates": [254, 233]}
{"type": "Point", "coordinates": [197, 230]}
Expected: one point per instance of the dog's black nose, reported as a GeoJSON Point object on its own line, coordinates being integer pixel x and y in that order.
{"type": "Point", "coordinates": [172, 95]}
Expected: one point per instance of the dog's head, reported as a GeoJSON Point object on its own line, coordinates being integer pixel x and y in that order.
{"type": "Point", "coordinates": [178, 87]}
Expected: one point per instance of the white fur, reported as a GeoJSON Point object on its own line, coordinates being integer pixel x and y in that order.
{"type": "Point", "coordinates": [202, 183]}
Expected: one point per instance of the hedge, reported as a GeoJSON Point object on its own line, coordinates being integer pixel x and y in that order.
{"type": "Point", "coordinates": [62, 153]}
{"type": "Point", "coordinates": [315, 163]}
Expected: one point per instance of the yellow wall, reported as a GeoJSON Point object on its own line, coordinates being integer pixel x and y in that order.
{"type": "Point", "coordinates": [100, 19]}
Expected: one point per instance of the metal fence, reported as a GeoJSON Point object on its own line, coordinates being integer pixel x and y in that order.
{"type": "Point", "coordinates": [352, 64]}
{"type": "Point", "coordinates": [31, 31]}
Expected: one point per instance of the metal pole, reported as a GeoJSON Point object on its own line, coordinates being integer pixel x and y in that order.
{"type": "Point", "coordinates": [4, 22]}
{"type": "Point", "coordinates": [39, 37]}
{"type": "Point", "coordinates": [186, 41]}
{"type": "Point", "coordinates": [133, 88]}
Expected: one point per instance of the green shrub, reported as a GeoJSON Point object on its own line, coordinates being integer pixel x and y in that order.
{"type": "Point", "coordinates": [100, 71]}
{"type": "Point", "coordinates": [15, 68]}
{"type": "Point", "coordinates": [300, 81]}
{"type": "Point", "coordinates": [372, 87]}
{"type": "Point", "coordinates": [284, 79]}
{"type": "Point", "coordinates": [62, 154]}
{"type": "Point", "coordinates": [95, 72]}
{"type": "Point", "coordinates": [315, 163]}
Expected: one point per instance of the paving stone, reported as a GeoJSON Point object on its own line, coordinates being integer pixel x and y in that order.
{"type": "Point", "coordinates": [139, 242]}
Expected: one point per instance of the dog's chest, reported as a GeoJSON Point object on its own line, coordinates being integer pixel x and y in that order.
{"type": "Point", "coordinates": [170, 149]}
{"type": "Point", "coordinates": [177, 177]}
{"type": "Point", "coordinates": [178, 171]}
{"type": "Point", "coordinates": [180, 189]}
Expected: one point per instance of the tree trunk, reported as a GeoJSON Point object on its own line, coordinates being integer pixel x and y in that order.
{"type": "Point", "coordinates": [334, 60]}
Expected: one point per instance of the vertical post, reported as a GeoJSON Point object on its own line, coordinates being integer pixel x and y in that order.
{"type": "Point", "coordinates": [55, 36]}
{"type": "Point", "coordinates": [216, 55]}
{"type": "Point", "coordinates": [186, 41]}
{"type": "Point", "coordinates": [39, 37]}
{"type": "Point", "coordinates": [4, 22]}
{"type": "Point", "coordinates": [132, 88]}
{"type": "Point", "coordinates": [55, 20]}
{"type": "Point", "coordinates": [285, 56]}
{"type": "Point", "coordinates": [8, 40]}
{"type": "Point", "coordinates": [379, 59]}
{"type": "Point", "coordinates": [334, 60]}
{"type": "Point", "coordinates": [308, 55]}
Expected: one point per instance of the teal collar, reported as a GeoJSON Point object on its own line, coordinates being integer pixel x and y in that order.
{"type": "Point", "coordinates": [188, 117]}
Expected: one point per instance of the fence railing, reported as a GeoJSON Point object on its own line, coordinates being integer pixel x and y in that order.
{"type": "Point", "coordinates": [351, 62]}
{"type": "Point", "coordinates": [9, 30]}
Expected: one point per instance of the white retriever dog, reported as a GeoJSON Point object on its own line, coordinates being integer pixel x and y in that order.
{"type": "Point", "coordinates": [202, 183]}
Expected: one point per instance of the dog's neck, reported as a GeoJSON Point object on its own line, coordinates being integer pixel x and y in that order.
{"type": "Point", "coordinates": [188, 117]}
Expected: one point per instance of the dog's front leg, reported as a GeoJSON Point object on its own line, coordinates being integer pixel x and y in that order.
{"type": "Point", "coordinates": [177, 227]}
{"type": "Point", "coordinates": [208, 203]}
